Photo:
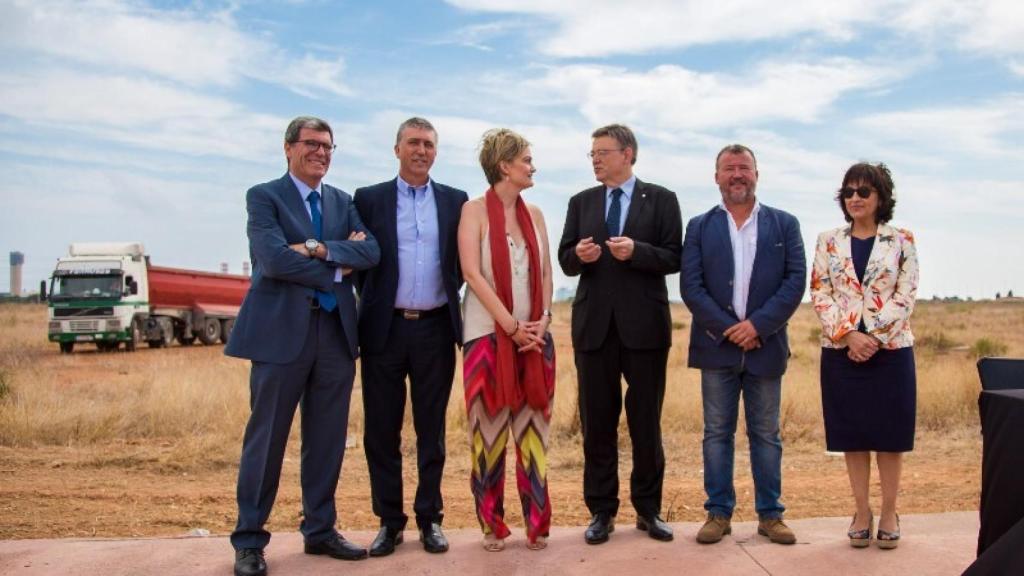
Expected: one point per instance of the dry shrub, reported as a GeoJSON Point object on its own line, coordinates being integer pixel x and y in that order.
{"type": "Point", "coordinates": [189, 406]}
{"type": "Point", "coordinates": [988, 347]}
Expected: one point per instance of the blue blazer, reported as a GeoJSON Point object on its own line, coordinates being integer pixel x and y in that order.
{"type": "Point", "coordinates": [378, 207]}
{"type": "Point", "coordinates": [272, 324]}
{"type": "Point", "coordinates": [776, 287]}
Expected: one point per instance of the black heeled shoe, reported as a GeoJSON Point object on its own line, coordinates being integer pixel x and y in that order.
{"type": "Point", "coordinates": [861, 538]}
{"type": "Point", "coordinates": [888, 540]}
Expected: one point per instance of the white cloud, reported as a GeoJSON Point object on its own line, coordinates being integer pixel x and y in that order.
{"type": "Point", "coordinates": [594, 28]}
{"type": "Point", "coordinates": [187, 46]}
{"type": "Point", "coordinates": [985, 129]}
{"type": "Point", "coordinates": [146, 113]}
{"type": "Point", "coordinates": [672, 97]}
{"type": "Point", "coordinates": [605, 27]}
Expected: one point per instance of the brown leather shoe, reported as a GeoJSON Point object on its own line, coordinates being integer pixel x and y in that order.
{"type": "Point", "coordinates": [714, 529]}
{"type": "Point", "coordinates": [776, 531]}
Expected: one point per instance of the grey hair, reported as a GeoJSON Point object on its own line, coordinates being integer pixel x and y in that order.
{"type": "Point", "coordinates": [291, 134]}
{"type": "Point", "coordinates": [735, 149]}
{"type": "Point", "coordinates": [414, 122]}
{"type": "Point", "coordinates": [621, 134]}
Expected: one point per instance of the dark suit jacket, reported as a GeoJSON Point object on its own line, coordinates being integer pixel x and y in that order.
{"type": "Point", "coordinates": [272, 324]}
{"type": "Point", "coordinates": [632, 292]}
{"type": "Point", "coordinates": [378, 207]}
{"type": "Point", "coordinates": [776, 287]}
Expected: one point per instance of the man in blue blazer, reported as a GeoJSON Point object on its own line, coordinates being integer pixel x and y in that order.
{"type": "Point", "coordinates": [298, 327]}
{"type": "Point", "coordinates": [409, 325]}
{"type": "Point", "coordinates": [743, 275]}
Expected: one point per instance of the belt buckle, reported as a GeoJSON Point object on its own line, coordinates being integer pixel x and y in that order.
{"type": "Point", "coordinates": [411, 314]}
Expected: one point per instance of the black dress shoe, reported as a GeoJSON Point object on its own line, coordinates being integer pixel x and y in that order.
{"type": "Point", "coordinates": [385, 541]}
{"type": "Point", "coordinates": [337, 547]}
{"type": "Point", "coordinates": [601, 525]}
{"type": "Point", "coordinates": [250, 562]}
{"type": "Point", "coordinates": [433, 539]}
{"type": "Point", "coordinates": [655, 527]}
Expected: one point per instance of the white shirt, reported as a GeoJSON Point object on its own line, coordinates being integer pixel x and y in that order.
{"type": "Point", "coordinates": [744, 249]}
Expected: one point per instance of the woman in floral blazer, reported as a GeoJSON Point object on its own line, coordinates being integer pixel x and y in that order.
{"type": "Point", "coordinates": [863, 287]}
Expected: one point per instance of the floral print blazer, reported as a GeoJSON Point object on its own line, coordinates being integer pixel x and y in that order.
{"type": "Point", "coordinates": [884, 301]}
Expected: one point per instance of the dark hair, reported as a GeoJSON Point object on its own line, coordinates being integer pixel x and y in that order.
{"type": "Point", "coordinates": [499, 145]}
{"type": "Point", "coordinates": [621, 134]}
{"type": "Point", "coordinates": [291, 134]}
{"type": "Point", "coordinates": [879, 178]}
{"type": "Point", "coordinates": [735, 149]}
{"type": "Point", "coordinates": [414, 122]}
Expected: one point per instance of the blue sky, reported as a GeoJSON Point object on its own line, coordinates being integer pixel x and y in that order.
{"type": "Point", "coordinates": [133, 120]}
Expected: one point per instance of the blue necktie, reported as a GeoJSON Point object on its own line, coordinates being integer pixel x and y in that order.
{"type": "Point", "coordinates": [328, 301]}
{"type": "Point", "coordinates": [614, 213]}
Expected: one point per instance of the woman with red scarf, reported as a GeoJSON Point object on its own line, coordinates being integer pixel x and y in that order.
{"type": "Point", "coordinates": [508, 354]}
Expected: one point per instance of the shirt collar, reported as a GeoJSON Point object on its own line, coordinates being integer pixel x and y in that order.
{"type": "Point", "coordinates": [626, 187]}
{"type": "Point", "coordinates": [304, 188]}
{"type": "Point", "coordinates": [753, 213]}
{"type": "Point", "coordinates": [407, 189]}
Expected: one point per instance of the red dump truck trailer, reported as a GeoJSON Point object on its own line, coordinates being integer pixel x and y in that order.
{"type": "Point", "coordinates": [109, 293]}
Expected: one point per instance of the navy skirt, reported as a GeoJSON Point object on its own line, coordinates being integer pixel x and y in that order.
{"type": "Point", "coordinates": [870, 405]}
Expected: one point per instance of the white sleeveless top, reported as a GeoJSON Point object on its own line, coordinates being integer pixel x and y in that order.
{"type": "Point", "coordinates": [476, 321]}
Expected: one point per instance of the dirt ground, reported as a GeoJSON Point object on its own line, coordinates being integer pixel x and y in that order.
{"type": "Point", "coordinates": [128, 489]}
{"type": "Point", "coordinates": [58, 492]}
{"type": "Point", "coordinates": [123, 490]}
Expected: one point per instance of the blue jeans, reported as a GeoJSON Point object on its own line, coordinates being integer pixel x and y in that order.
{"type": "Point", "coordinates": [720, 392]}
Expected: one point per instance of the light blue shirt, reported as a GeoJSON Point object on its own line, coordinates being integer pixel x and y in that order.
{"type": "Point", "coordinates": [304, 191]}
{"type": "Point", "coordinates": [624, 200]}
{"type": "Point", "coordinates": [419, 249]}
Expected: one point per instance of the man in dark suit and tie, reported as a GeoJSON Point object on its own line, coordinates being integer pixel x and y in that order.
{"type": "Point", "coordinates": [298, 327]}
{"type": "Point", "coordinates": [743, 274]}
{"type": "Point", "coordinates": [621, 238]}
{"type": "Point", "coordinates": [409, 325]}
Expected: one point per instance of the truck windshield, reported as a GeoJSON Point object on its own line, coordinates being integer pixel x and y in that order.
{"type": "Point", "coordinates": [85, 286]}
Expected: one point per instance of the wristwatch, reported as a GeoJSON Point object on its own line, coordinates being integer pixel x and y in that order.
{"type": "Point", "coordinates": [546, 312]}
{"type": "Point", "coordinates": [311, 246]}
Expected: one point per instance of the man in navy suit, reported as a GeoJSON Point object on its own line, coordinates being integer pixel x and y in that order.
{"type": "Point", "coordinates": [743, 274]}
{"type": "Point", "coordinates": [409, 325]}
{"type": "Point", "coordinates": [298, 327]}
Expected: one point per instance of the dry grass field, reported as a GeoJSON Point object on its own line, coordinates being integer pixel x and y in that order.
{"type": "Point", "coordinates": [119, 444]}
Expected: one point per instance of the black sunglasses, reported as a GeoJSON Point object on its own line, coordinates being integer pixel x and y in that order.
{"type": "Point", "coordinates": [864, 192]}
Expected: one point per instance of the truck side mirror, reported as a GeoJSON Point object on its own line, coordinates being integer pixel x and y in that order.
{"type": "Point", "coordinates": [133, 286]}
{"type": "Point", "coordinates": [42, 290]}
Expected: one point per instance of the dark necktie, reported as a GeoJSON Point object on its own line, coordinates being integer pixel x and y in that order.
{"type": "Point", "coordinates": [328, 301]}
{"type": "Point", "coordinates": [614, 213]}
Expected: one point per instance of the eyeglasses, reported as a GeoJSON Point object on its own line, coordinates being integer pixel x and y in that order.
{"type": "Point", "coordinates": [864, 192]}
{"type": "Point", "coordinates": [314, 145]}
{"type": "Point", "coordinates": [602, 153]}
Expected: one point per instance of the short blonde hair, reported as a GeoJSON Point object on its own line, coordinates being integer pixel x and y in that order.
{"type": "Point", "coordinates": [499, 145]}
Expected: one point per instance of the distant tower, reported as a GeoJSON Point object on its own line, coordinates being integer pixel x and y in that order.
{"type": "Point", "coordinates": [17, 261]}
{"type": "Point", "coordinates": [223, 267]}
{"type": "Point", "coordinates": [245, 268]}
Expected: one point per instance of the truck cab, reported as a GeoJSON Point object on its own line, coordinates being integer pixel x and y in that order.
{"type": "Point", "coordinates": [95, 293]}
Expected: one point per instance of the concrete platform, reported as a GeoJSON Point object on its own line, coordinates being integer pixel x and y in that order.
{"type": "Point", "coordinates": [933, 544]}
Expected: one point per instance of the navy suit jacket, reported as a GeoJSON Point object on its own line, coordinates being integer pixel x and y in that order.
{"type": "Point", "coordinates": [272, 324]}
{"type": "Point", "coordinates": [378, 207]}
{"type": "Point", "coordinates": [776, 287]}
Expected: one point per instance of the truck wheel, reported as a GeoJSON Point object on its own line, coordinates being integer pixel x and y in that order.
{"type": "Point", "coordinates": [210, 332]}
{"type": "Point", "coordinates": [67, 347]}
{"type": "Point", "coordinates": [225, 330]}
{"type": "Point", "coordinates": [136, 336]}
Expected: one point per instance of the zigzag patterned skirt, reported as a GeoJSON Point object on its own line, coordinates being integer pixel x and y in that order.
{"type": "Point", "coordinates": [489, 424]}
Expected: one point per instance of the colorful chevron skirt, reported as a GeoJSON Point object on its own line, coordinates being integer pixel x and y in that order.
{"type": "Point", "coordinates": [489, 424]}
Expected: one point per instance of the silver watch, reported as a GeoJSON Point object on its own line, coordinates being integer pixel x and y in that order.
{"type": "Point", "coordinates": [311, 246]}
